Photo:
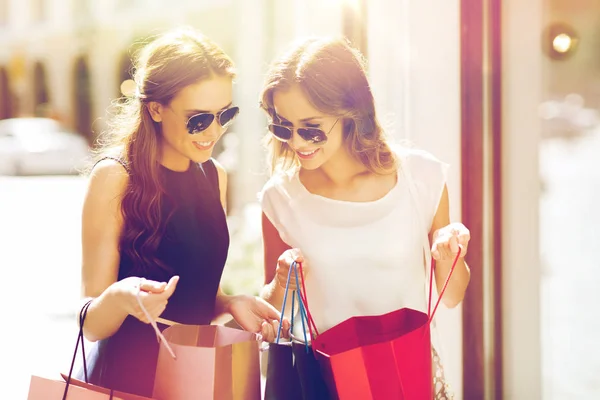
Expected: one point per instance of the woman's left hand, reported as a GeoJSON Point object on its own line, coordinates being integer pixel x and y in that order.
{"type": "Point", "coordinates": [256, 315]}
{"type": "Point", "coordinates": [446, 242]}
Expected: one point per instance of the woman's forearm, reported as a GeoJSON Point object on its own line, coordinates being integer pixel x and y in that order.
{"type": "Point", "coordinates": [105, 316]}
{"type": "Point", "coordinates": [455, 291]}
{"type": "Point", "coordinates": [222, 304]}
{"type": "Point", "coordinates": [274, 293]}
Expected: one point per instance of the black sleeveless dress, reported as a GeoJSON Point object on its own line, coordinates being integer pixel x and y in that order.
{"type": "Point", "coordinates": [194, 246]}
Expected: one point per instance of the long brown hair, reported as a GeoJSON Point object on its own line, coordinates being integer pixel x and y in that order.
{"type": "Point", "coordinates": [163, 67]}
{"type": "Point", "coordinates": [332, 75]}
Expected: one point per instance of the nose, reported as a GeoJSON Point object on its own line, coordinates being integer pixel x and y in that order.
{"type": "Point", "coordinates": [296, 142]}
{"type": "Point", "coordinates": [214, 130]}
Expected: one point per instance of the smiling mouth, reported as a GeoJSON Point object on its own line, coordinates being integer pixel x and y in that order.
{"type": "Point", "coordinates": [204, 145]}
{"type": "Point", "coordinates": [307, 154]}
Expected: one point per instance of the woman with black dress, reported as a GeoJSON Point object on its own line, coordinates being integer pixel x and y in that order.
{"type": "Point", "coordinates": [153, 217]}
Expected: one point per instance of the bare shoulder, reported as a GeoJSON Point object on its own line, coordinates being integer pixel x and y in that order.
{"type": "Point", "coordinates": [108, 179]}
{"type": "Point", "coordinates": [414, 154]}
{"type": "Point", "coordinates": [222, 175]}
{"type": "Point", "coordinates": [220, 170]}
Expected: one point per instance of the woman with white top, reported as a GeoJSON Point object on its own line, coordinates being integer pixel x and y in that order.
{"type": "Point", "coordinates": [339, 199]}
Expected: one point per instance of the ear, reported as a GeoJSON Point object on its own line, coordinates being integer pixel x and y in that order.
{"type": "Point", "coordinates": [156, 109]}
{"type": "Point", "coordinates": [349, 126]}
{"type": "Point", "coordinates": [365, 125]}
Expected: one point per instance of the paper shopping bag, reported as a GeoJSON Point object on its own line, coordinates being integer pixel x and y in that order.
{"type": "Point", "coordinates": [69, 388]}
{"type": "Point", "coordinates": [50, 389]}
{"type": "Point", "coordinates": [212, 362]}
{"type": "Point", "coordinates": [293, 372]}
{"type": "Point", "coordinates": [41, 388]}
{"type": "Point", "coordinates": [379, 357]}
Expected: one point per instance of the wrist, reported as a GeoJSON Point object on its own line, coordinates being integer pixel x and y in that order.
{"type": "Point", "coordinates": [116, 297]}
{"type": "Point", "coordinates": [276, 285]}
{"type": "Point", "coordinates": [268, 290]}
{"type": "Point", "coordinates": [275, 289]}
{"type": "Point", "coordinates": [224, 303]}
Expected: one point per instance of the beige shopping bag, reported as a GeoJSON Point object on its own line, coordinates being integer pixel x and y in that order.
{"type": "Point", "coordinates": [211, 362]}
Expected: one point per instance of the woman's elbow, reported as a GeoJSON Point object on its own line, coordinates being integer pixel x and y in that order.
{"type": "Point", "coordinates": [455, 295]}
{"type": "Point", "coordinates": [452, 301]}
{"type": "Point", "coordinates": [91, 336]}
{"type": "Point", "coordinates": [454, 298]}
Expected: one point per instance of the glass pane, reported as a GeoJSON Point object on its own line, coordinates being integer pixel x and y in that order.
{"type": "Point", "coordinates": [569, 215]}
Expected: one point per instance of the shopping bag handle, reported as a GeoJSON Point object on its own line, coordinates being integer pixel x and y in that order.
{"type": "Point", "coordinates": [431, 314]}
{"type": "Point", "coordinates": [82, 315]}
{"type": "Point", "coordinates": [311, 322]}
{"type": "Point", "coordinates": [159, 335]}
{"type": "Point", "coordinates": [80, 338]}
{"type": "Point", "coordinates": [287, 287]}
{"type": "Point", "coordinates": [301, 306]}
{"type": "Point", "coordinates": [405, 169]}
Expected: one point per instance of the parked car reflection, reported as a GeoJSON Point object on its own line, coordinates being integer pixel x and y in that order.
{"type": "Point", "coordinates": [40, 146]}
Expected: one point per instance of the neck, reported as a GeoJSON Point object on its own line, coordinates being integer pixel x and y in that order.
{"type": "Point", "coordinates": [173, 160]}
{"type": "Point", "coordinates": [341, 169]}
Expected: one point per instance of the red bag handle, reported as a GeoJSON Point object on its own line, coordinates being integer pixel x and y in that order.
{"type": "Point", "coordinates": [311, 322]}
{"type": "Point", "coordinates": [430, 314]}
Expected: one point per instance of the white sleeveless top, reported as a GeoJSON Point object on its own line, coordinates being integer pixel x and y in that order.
{"type": "Point", "coordinates": [363, 258]}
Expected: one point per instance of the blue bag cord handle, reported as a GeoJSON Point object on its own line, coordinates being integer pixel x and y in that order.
{"type": "Point", "coordinates": [293, 307]}
{"type": "Point", "coordinates": [287, 286]}
{"type": "Point", "coordinates": [303, 315]}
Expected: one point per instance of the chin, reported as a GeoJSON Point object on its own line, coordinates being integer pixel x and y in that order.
{"type": "Point", "coordinates": [311, 165]}
{"type": "Point", "coordinates": [198, 156]}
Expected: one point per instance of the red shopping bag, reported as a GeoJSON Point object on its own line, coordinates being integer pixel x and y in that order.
{"type": "Point", "coordinates": [379, 357]}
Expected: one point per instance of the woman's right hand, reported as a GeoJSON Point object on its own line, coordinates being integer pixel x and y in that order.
{"type": "Point", "coordinates": [153, 295]}
{"type": "Point", "coordinates": [283, 266]}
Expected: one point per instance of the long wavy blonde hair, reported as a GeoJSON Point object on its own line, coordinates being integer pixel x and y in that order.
{"type": "Point", "coordinates": [165, 66]}
{"type": "Point", "coordinates": [333, 77]}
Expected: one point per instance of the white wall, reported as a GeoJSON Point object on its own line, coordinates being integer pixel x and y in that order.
{"type": "Point", "coordinates": [414, 68]}
{"type": "Point", "coordinates": [522, 93]}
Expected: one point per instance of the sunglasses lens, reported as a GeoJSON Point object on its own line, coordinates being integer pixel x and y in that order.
{"type": "Point", "coordinates": [199, 122]}
{"type": "Point", "coordinates": [280, 132]}
{"type": "Point", "coordinates": [312, 135]}
{"type": "Point", "coordinates": [228, 116]}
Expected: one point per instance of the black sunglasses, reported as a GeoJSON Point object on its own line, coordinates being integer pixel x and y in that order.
{"type": "Point", "coordinates": [312, 135]}
{"type": "Point", "coordinates": [200, 122]}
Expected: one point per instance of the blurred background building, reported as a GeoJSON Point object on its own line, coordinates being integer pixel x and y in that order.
{"type": "Point", "coordinates": [506, 92]}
